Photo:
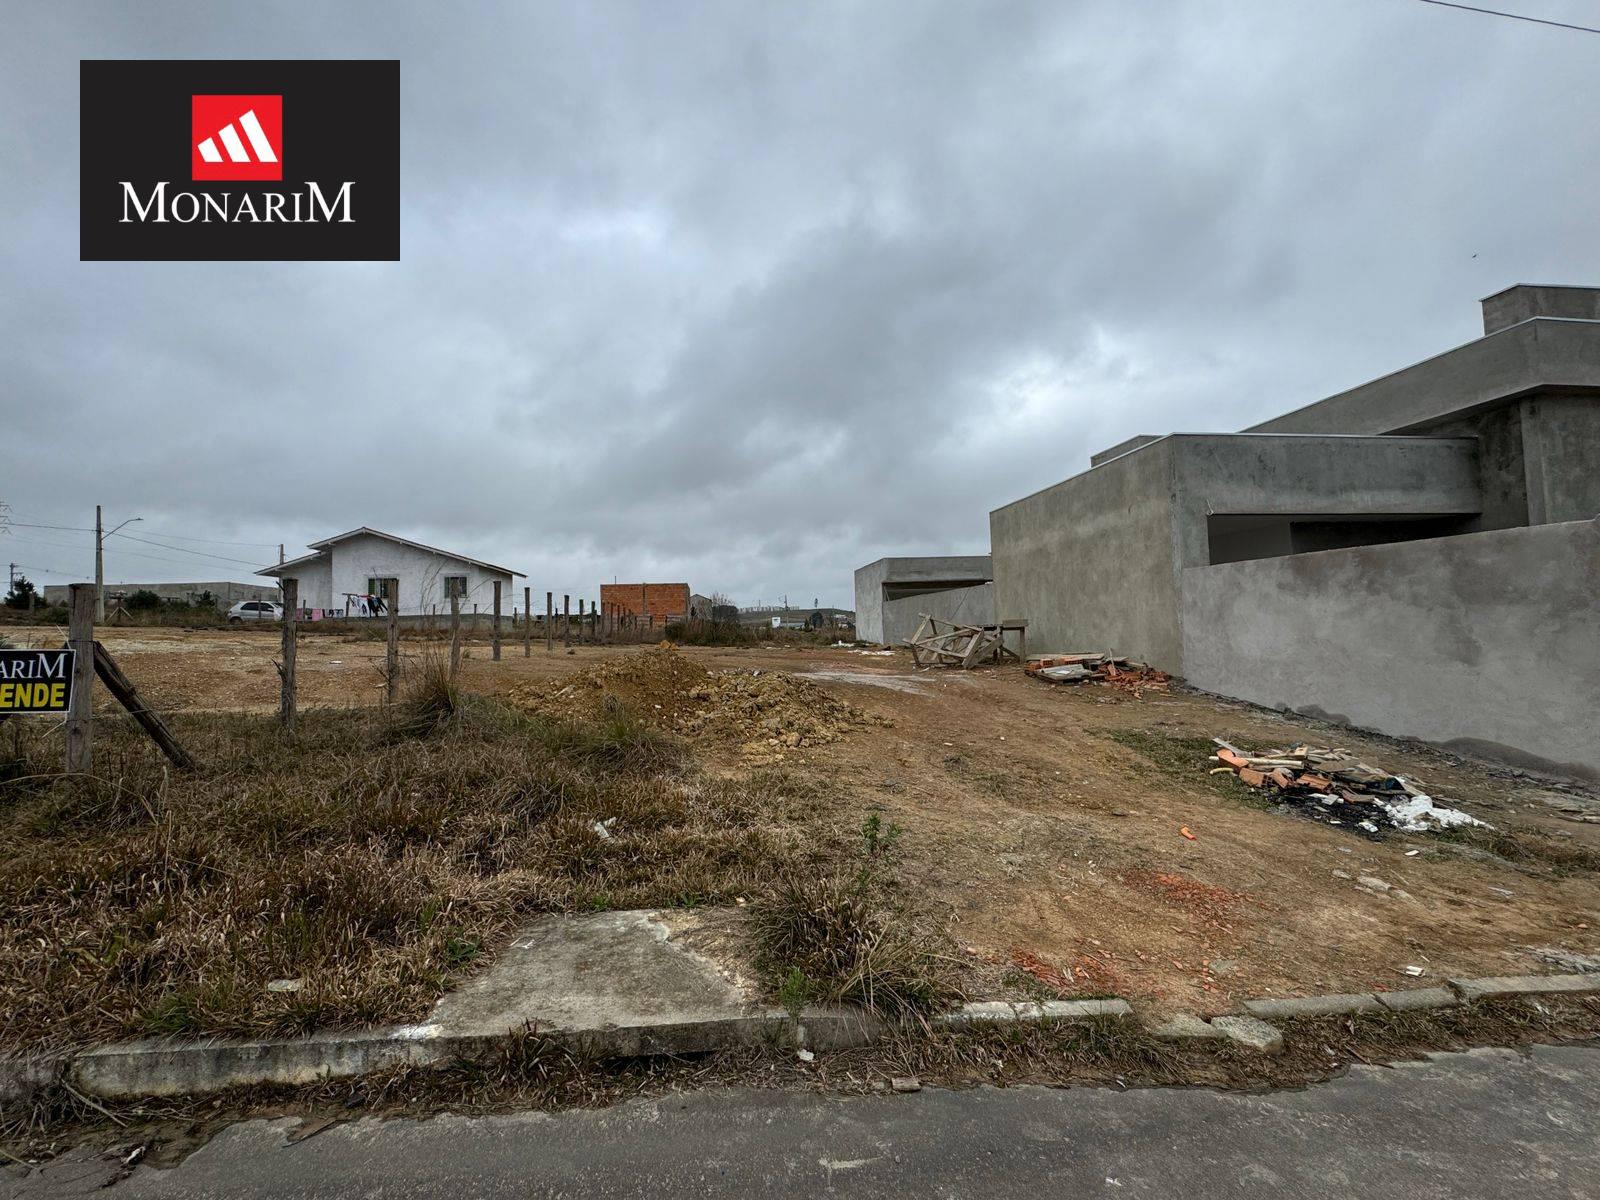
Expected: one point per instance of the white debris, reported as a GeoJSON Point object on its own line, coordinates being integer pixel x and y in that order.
{"type": "Point", "coordinates": [1413, 971]}
{"type": "Point", "coordinates": [603, 828]}
{"type": "Point", "coordinates": [1416, 813]}
{"type": "Point", "coordinates": [805, 1055]}
{"type": "Point", "coordinates": [285, 985]}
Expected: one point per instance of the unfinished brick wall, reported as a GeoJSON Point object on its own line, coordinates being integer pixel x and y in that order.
{"type": "Point", "coordinates": [663, 601]}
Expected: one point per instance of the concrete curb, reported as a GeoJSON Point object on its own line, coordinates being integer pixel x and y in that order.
{"type": "Point", "coordinates": [165, 1068]}
{"type": "Point", "coordinates": [1004, 1012]}
{"type": "Point", "coordinates": [1523, 985]}
{"type": "Point", "coordinates": [159, 1067]}
{"type": "Point", "coordinates": [1335, 1004]}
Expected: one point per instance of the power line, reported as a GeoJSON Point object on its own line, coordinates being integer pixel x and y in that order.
{"type": "Point", "coordinates": [73, 528]}
{"type": "Point", "coordinates": [210, 541]}
{"type": "Point", "coordinates": [121, 553]}
{"type": "Point", "coordinates": [159, 532]}
{"type": "Point", "coordinates": [185, 550]}
{"type": "Point", "coordinates": [1493, 12]}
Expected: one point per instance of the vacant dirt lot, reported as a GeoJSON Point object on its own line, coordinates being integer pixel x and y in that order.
{"type": "Point", "coordinates": [1042, 824]}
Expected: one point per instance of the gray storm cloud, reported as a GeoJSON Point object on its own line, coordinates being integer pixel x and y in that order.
{"type": "Point", "coordinates": [749, 295]}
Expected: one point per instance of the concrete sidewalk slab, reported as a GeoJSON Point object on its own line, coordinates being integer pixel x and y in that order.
{"type": "Point", "coordinates": [609, 970]}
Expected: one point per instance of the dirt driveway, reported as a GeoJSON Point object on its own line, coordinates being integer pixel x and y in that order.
{"type": "Point", "coordinates": [1043, 824]}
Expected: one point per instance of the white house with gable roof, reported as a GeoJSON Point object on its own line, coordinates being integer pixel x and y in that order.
{"type": "Point", "coordinates": [340, 572]}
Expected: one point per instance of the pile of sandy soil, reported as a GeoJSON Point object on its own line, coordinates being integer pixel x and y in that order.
{"type": "Point", "coordinates": [765, 714]}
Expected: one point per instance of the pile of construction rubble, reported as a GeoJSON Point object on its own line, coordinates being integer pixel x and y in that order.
{"type": "Point", "coordinates": [1334, 787]}
{"type": "Point", "coordinates": [1124, 673]}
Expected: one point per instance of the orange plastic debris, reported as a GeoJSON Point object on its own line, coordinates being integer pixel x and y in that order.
{"type": "Point", "coordinates": [1186, 833]}
{"type": "Point", "coordinates": [1251, 776]}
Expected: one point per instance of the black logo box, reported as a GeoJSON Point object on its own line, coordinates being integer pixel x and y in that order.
{"type": "Point", "coordinates": [341, 123]}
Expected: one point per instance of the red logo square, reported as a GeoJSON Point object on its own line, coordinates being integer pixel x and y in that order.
{"type": "Point", "coordinates": [236, 137]}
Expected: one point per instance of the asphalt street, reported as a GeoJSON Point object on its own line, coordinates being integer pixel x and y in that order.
{"type": "Point", "coordinates": [1492, 1124]}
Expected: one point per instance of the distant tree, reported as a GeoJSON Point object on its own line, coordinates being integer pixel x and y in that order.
{"type": "Point", "coordinates": [22, 593]}
{"type": "Point", "coordinates": [142, 600]}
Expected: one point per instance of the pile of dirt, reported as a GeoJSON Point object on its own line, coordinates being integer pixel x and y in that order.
{"type": "Point", "coordinates": [764, 713]}
{"type": "Point", "coordinates": [656, 686]}
{"type": "Point", "coordinates": [768, 713]}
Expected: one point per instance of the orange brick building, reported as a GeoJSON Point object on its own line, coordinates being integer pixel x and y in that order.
{"type": "Point", "coordinates": [661, 601]}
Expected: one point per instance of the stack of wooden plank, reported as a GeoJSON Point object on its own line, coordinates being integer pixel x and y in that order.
{"type": "Point", "coordinates": [939, 643]}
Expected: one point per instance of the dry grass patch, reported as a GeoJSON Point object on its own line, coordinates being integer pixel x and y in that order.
{"type": "Point", "coordinates": [836, 937]}
{"type": "Point", "coordinates": [369, 859]}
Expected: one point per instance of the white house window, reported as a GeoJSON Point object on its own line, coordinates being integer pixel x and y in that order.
{"type": "Point", "coordinates": [455, 585]}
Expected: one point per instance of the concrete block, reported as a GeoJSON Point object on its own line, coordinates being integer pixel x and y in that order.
{"type": "Point", "coordinates": [1312, 1006]}
{"type": "Point", "coordinates": [1523, 985]}
{"type": "Point", "coordinates": [1418, 998]}
{"type": "Point", "coordinates": [988, 1012]}
{"type": "Point", "coordinates": [1078, 1010]}
{"type": "Point", "coordinates": [1003, 1012]}
{"type": "Point", "coordinates": [1183, 1027]}
{"type": "Point", "coordinates": [1249, 1032]}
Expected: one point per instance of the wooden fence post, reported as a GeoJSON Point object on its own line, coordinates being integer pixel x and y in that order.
{"type": "Point", "coordinates": [527, 622]}
{"type": "Point", "coordinates": [566, 620]}
{"type": "Point", "coordinates": [549, 622]}
{"type": "Point", "coordinates": [80, 637]}
{"type": "Point", "coordinates": [496, 620]}
{"type": "Point", "coordinates": [286, 696]}
{"type": "Point", "coordinates": [392, 656]}
{"type": "Point", "coordinates": [455, 636]}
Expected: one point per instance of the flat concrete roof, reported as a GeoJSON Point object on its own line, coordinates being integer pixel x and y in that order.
{"type": "Point", "coordinates": [931, 567]}
{"type": "Point", "coordinates": [1535, 354]}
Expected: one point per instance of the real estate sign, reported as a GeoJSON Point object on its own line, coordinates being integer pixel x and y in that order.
{"type": "Point", "coordinates": [35, 681]}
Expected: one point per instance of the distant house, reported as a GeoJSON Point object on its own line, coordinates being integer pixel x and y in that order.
{"type": "Point", "coordinates": [342, 573]}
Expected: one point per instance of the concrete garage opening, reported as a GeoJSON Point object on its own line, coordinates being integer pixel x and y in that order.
{"type": "Point", "coordinates": [1241, 537]}
{"type": "Point", "coordinates": [893, 593]}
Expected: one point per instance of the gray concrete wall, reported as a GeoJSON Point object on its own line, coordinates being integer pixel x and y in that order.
{"type": "Point", "coordinates": [869, 601]}
{"type": "Point", "coordinates": [1306, 476]}
{"type": "Point", "coordinates": [1122, 447]}
{"type": "Point", "coordinates": [1487, 642]}
{"type": "Point", "coordinates": [1523, 301]}
{"type": "Point", "coordinates": [1092, 562]}
{"type": "Point", "coordinates": [1543, 353]}
{"type": "Point", "coordinates": [224, 591]}
{"type": "Point", "coordinates": [1561, 450]}
{"type": "Point", "coordinates": [935, 572]}
{"type": "Point", "coordinates": [967, 606]}
{"type": "Point", "coordinates": [1089, 563]}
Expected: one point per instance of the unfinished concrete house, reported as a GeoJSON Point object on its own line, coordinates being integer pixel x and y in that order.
{"type": "Point", "coordinates": [893, 593]}
{"type": "Point", "coordinates": [1418, 555]}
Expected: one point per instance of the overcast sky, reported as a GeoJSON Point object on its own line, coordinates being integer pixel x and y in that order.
{"type": "Point", "coordinates": [751, 294]}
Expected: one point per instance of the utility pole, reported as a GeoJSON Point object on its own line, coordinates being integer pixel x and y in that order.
{"type": "Point", "coordinates": [99, 568]}
{"type": "Point", "coordinates": [100, 537]}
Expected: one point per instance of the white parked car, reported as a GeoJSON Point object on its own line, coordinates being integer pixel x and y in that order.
{"type": "Point", "coordinates": [255, 610]}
